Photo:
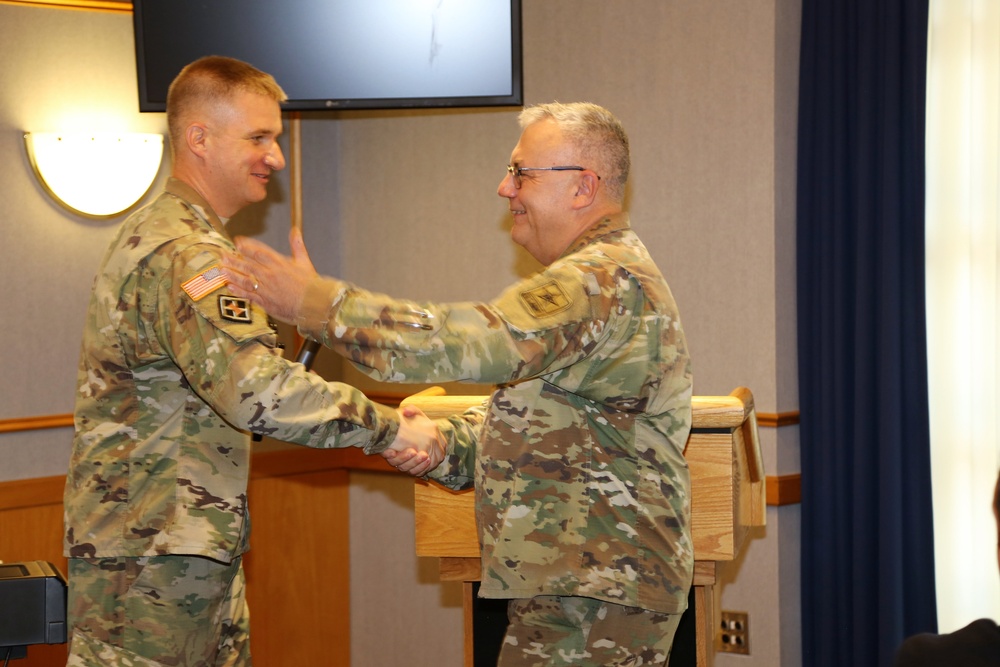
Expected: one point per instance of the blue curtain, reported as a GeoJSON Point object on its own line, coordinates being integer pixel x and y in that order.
{"type": "Point", "coordinates": [867, 538]}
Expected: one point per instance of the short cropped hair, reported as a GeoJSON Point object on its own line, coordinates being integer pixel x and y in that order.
{"type": "Point", "coordinates": [212, 80]}
{"type": "Point", "coordinates": [597, 135]}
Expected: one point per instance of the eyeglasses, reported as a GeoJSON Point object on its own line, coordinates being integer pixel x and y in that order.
{"type": "Point", "coordinates": [516, 172]}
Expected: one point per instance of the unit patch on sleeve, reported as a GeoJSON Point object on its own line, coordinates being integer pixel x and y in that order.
{"type": "Point", "coordinates": [234, 309]}
{"type": "Point", "coordinates": [547, 299]}
{"type": "Point", "coordinates": [204, 283]}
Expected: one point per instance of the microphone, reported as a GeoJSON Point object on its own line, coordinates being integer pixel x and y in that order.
{"type": "Point", "coordinates": [307, 353]}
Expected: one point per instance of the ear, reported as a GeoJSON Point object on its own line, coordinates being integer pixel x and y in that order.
{"type": "Point", "coordinates": [196, 138]}
{"type": "Point", "coordinates": [586, 190]}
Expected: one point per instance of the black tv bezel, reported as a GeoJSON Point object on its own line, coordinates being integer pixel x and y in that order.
{"type": "Point", "coordinates": [515, 99]}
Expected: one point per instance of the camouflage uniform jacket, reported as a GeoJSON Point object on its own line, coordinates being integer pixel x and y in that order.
{"type": "Point", "coordinates": [168, 387]}
{"type": "Point", "coordinates": [581, 484]}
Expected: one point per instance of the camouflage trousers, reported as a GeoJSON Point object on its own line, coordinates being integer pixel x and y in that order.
{"type": "Point", "coordinates": [181, 611]}
{"type": "Point", "coordinates": [547, 631]}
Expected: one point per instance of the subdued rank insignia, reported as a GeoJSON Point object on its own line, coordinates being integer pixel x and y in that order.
{"type": "Point", "coordinates": [546, 300]}
{"type": "Point", "coordinates": [235, 309]}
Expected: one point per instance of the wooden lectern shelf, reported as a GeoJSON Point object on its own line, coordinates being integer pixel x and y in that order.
{"type": "Point", "coordinates": [727, 500]}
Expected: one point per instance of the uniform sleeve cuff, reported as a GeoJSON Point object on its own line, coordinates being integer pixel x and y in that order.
{"type": "Point", "coordinates": [388, 428]}
{"type": "Point", "coordinates": [318, 306]}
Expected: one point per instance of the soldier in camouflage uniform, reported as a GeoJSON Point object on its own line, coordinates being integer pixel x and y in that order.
{"type": "Point", "coordinates": [174, 372]}
{"type": "Point", "coordinates": [582, 490]}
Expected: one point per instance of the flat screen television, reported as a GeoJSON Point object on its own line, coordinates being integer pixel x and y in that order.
{"type": "Point", "coordinates": [342, 54]}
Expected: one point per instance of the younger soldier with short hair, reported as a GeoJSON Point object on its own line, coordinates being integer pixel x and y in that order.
{"type": "Point", "coordinates": [175, 369]}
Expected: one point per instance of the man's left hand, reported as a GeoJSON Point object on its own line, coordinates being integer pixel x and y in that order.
{"type": "Point", "coordinates": [275, 281]}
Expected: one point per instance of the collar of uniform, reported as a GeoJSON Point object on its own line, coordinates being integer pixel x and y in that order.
{"type": "Point", "coordinates": [182, 190]}
{"type": "Point", "coordinates": [607, 225]}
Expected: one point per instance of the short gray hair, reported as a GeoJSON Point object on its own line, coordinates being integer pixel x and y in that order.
{"type": "Point", "coordinates": [596, 133]}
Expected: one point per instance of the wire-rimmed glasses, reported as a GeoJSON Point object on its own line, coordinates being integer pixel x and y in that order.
{"type": "Point", "coordinates": [516, 171]}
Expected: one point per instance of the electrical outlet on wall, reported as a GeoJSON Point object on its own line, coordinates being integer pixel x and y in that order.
{"type": "Point", "coordinates": [734, 633]}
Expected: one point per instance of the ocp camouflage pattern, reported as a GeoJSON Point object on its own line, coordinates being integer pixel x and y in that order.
{"type": "Point", "coordinates": [545, 631]}
{"type": "Point", "coordinates": [158, 611]}
{"type": "Point", "coordinates": [168, 389]}
{"type": "Point", "coordinates": [581, 484]}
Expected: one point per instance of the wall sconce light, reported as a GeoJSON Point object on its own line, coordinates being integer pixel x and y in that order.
{"type": "Point", "coordinates": [98, 175]}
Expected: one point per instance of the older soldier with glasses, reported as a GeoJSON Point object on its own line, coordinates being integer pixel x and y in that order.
{"type": "Point", "coordinates": [582, 491]}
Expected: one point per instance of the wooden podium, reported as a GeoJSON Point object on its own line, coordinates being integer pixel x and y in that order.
{"type": "Point", "coordinates": [727, 500]}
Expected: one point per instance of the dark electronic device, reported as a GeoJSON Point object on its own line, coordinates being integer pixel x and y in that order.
{"type": "Point", "coordinates": [341, 54]}
{"type": "Point", "coordinates": [32, 607]}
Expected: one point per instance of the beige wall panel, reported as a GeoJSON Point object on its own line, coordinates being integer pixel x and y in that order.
{"type": "Point", "coordinates": [694, 84]}
{"type": "Point", "coordinates": [400, 612]}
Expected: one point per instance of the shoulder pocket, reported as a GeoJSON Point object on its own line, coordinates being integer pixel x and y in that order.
{"type": "Point", "coordinates": [554, 298]}
{"type": "Point", "coordinates": [237, 317]}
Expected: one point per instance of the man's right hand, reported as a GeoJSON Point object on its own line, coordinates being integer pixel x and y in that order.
{"type": "Point", "coordinates": [419, 446]}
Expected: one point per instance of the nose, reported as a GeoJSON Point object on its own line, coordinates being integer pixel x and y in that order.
{"type": "Point", "coordinates": [506, 187]}
{"type": "Point", "coordinates": [275, 159]}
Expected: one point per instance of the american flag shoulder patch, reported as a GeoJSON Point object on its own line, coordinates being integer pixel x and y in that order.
{"type": "Point", "coordinates": [204, 283]}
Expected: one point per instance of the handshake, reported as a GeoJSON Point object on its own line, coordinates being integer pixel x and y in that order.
{"type": "Point", "coordinates": [279, 284]}
{"type": "Point", "coordinates": [419, 446]}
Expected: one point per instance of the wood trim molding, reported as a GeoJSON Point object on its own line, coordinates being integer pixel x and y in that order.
{"type": "Point", "coordinates": [778, 419]}
{"type": "Point", "coordinates": [784, 489]}
{"type": "Point", "coordinates": [120, 6]}
{"type": "Point", "coordinates": [32, 423]}
{"type": "Point", "coordinates": [764, 419]}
